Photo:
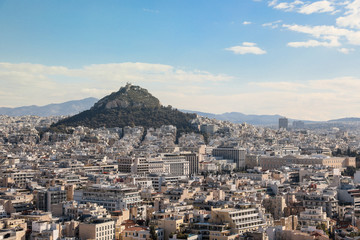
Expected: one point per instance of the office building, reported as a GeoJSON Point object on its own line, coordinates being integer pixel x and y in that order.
{"type": "Point", "coordinates": [283, 123]}
{"type": "Point", "coordinates": [233, 153]}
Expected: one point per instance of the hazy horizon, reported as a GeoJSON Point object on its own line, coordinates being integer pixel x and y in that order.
{"type": "Point", "coordinates": [294, 58]}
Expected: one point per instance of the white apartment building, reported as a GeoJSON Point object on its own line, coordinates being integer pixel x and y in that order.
{"type": "Point", "coordinates": [243, 218]}
{"type": "Point", "coordinates": [110, 197]}
{"type": "Point", "coordinates": [176, 165]}
{"type": "Point", "coordinates": [313, 217]}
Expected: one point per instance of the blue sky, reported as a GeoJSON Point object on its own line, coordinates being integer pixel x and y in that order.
{"type": "Point", "coordinates": [295, 58]}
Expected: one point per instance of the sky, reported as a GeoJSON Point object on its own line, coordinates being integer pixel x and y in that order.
{"type": "Point", "coordinates": [299, 59]}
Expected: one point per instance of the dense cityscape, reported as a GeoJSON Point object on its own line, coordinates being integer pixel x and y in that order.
{"type": "Point", "coordinates": [254, 133]}
{"type": "Point", "coordinates": [224, 181]}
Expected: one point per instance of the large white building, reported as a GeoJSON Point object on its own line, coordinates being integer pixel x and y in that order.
{"type": "Point", "coordinates": [175, 165]}
{"type": "Point", "coordinates": [243, 218]}
{"type": "Point", "coordinates": [110, 197]}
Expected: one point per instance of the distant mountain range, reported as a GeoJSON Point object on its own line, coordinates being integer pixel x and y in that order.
{"type": "Point", "coordinates": [55, 109]}
{"type": "Point", "coordinates": [349, 119]}
{"type": "Point", "coordinates": [74, 107]}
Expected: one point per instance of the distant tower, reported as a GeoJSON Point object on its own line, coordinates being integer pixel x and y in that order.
{"type": "Point", "coordinates": [283, 123]}
{"type": "Point", "coordinates": [298, 125]}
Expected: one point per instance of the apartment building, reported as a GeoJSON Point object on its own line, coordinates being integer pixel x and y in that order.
{"type": "Point", "coordinates": [98, 229]}
{"type": "Point", "coordinates": [110, 197]}
{"type": "Point", "coordinates": [313, 217]}
{"type": "Point", "coordinates": [47, 198]}
{"type": "Point", "coordinates": [243, 218]}
{"type": "Point", "coordinates": [175, 165]}
{"type": "Point", "coordinates": [193, 159]}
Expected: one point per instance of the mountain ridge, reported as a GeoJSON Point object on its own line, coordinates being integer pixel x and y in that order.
{"type": "Point", "coordinates": [75, 106]}
{"type": "Point", "coordinates": [54, 109]}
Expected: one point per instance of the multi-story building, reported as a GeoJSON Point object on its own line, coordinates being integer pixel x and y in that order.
{"type": "Point", "coordinates": [47, 198]}
{"type": "Point", "coordinates": [175, 164]}
{"type": "Point", "coordinates": [110, 197]}
{"type": "Point", "coordinates": [156, 165]}
{"type": "Point", "coordinates": [334, 162]}
{"type": "Point", "coordinates": [208, 128]}
{"type": "Point", "coordinates": [327, 201]}
{"type": "Point", "coordinates": [140, 233]}
{"type": "Point", "coordinates": [243, 218]}
{"type": "Point", "coordinates": [158, 180]}
{"type": "Point", "coordinates": [283, 123]}
{"type": "Point", "coordinates": [73, 210]}
{"type": "Point", "coordinates": [18, 178]}
{"type": "Point", "coordinates": [193, 159]}
{"type": "Point", "coordinates": [98, 229]}
{"type": "Point", "coordinates": [234, 153]}
{"type": "Point", "coordinates": [16, 202]}
{"type": "Point", "coordinates": [45, 230]}
{"type": "Point", "coordinates": [125, 164]}
{"type": "Point", "coordinates": [134, 165]}
{"type": "Point", "coordinates": [141, 166]}
{"type": "Point", "coordinates": [298, 125]}
{"type": "Point", "coordinates": [355, 193]}
{"type": "Point", "coordinates": [275, 205]}
{"type": "Point", "coordinates": [313, 217]}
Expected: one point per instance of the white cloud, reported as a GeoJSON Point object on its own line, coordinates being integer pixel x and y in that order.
{"type": "Point", "coordinates": [247, 23]}
{"type": "Point", "coordinates": [331, 34]}
{"type": "Point", "coordinates": [151, 10]}
{"type": "Point", "coordinates": [317, 7]}
{"type": "Point", "coordinates": [39, 84]}
{"type": "Point", "coordinates": [333, 42]}
{"type": "Point", "coordinates": [26, 84]}
{"type": "Point", "coordinates": [346, 50]}
{"type": "Point", "coordinates": [285, 6]}
{"type": "Point", "coordinates": [246, 48]}
{"type": "Point", "coordinates": [274, 24]}
{"type": "Point", "coordinates": [346, 30]}
{"type": "Point", "coordinates": [352, 15]}
{"type": "Point", "coordinates": [333, 98]}
{"type": "Point", "coordinates": [322, 6]}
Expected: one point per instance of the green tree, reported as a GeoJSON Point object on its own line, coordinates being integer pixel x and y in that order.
{"type": "Point", "coordinates": [153, 234]}
{"type": "Point", "coordinates": [349, 171]}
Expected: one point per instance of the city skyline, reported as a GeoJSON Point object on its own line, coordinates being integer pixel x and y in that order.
{"type": "Point", "coordinates": [295, 58]}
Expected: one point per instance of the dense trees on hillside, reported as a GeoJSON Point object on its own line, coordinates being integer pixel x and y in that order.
{"type": "Point", "coordinates": [130, 106]}
{"type": "Point", "coordinates": [131, 116]}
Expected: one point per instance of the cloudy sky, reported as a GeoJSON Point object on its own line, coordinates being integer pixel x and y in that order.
{"type": "Point", "coordinates": [300, 59]}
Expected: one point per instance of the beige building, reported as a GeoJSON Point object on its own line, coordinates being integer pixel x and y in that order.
{"type": "Point", "coordinates": [98, 229]}
{"type": "Point", "coordinates": [275, 205]}
{"type": "Point", "coordinates": [313, 217]}
{"type": "Point", "coordinates": [13, 229]}
{"type": "Point", "coordinates": [140, 233]}
{"type": "Point", "coordinates": [334, 162]}
{"type": "Point", "coordinates": [170, 225]}
{"type": "Point", "coordinates": [290, 223]}
{"type": "Point", "coordinates": [245, 218]}
{"type": "Point", "coordinates": [73, 210]}
{"type": "Point", "coordinates": [16, 201]}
